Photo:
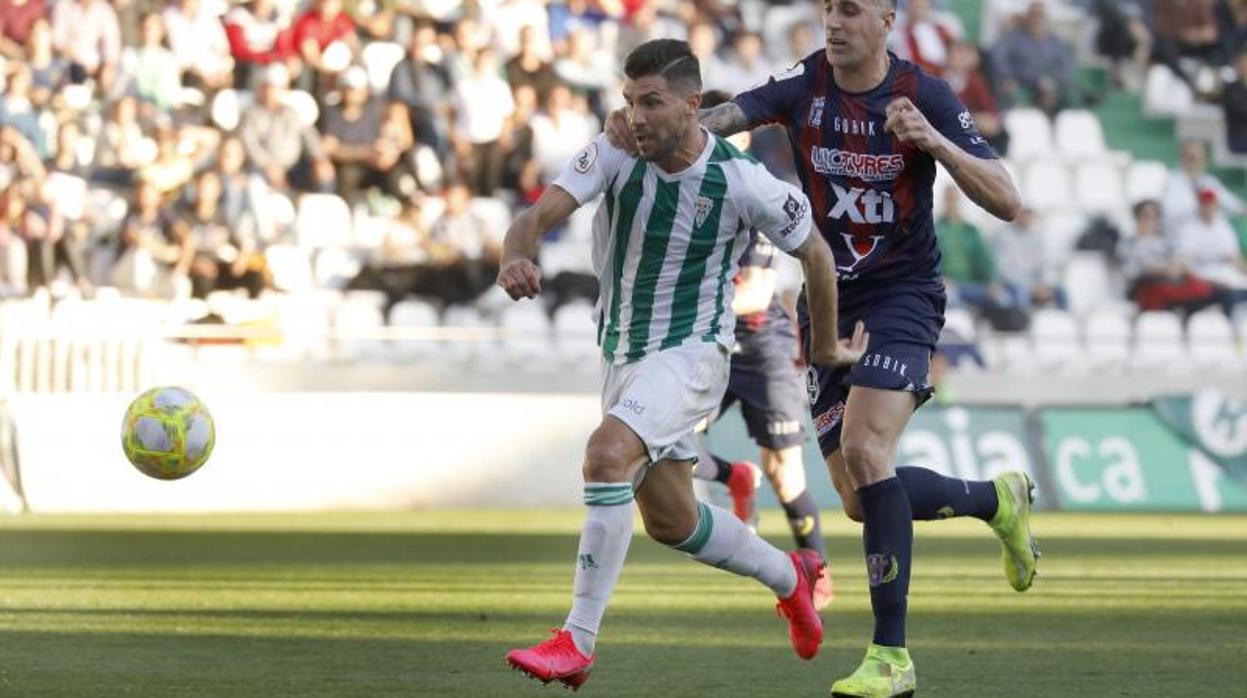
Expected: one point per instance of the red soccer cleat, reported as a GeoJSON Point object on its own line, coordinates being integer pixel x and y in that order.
{"type": "Point", "coordinates": [556, 659]}
{"type": "Point", "coordinates": [743, 486]}
{"type": "Point", "coordinates": [805, 628]}
{"type": "Point", "coordinates": [824, 589]}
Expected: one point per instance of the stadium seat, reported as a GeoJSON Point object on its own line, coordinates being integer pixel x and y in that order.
{"type": "Point", "coordinates": [323, 220]}
{"type": "Point", "coordinates": [304, 105]}
{"type": "Point", "coordinates": [960, 321]}
{"type": "Point", "coordinates": [1060, 231]}
{"type": "Point", "coordinates": [379, 58]}
{"type": "Point", "coordinates": [1046, 187]}
{"type": "Point", "coordinates": [1145, 179]}
{"type": "Point", "coordinates": [1158, 342]}
{"type": "Point", "coordinates": [227, 107]}
{"type": "Point", "coordinates": [1055, 336]}
{"type": "Point", "coordinates": [526, 334]}
{"type": "Point", "coordinates": [1030, 134]}
{"type": "Point", "coordinates": [495, 213]}
{"type": "Point", "coordinates": [1106, 333]}
{"type": "Point", "coordinates": [290, 266]}
{"type": "Point", "coordinates": [1087, 282]}
{"type": "Point", "coordinates": [357, 321]}
{"type": "Point", "coordinates": [1098, 187]}
{"type": "Point", "coordinates": [1210, 339]}
{"type": "Point", "coordinates": [575, 335]}
{"type": "Point", "coordinates": [1165, 94]}
{"type": "Point", "coordinates": [334, 267]}
{"type": "Point", "coordinates": [1079, 135]}
{"type": "Point", "coordinates": [413, 313]}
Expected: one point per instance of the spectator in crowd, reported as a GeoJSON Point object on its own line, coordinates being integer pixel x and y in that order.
{"type": "Point", "coordinates": [570, 16]}
{"type": "Point", "coordinates": [197, 39]}
{"type": "Point", "coordinates": [17, 109]}
{"type": "Point", "coordinates": [970, 273]}
{"type": "Point", "coordinates": [17, 18]}
{"type": "Point", "coordinates": [284, 151]}
{"type": "Point", "coordinates": [421, 82]}
{"type": "Point", "coordinates": [325, 38]}
{"type": "Point", "coordinates": [1186, 29]}
{"type": "Point", "coordinates": [1179, 203]}
{"type": "Point", "coordinates": [238, 202]}
{"type": "Point", "coordinates": [747, 66]}
{"type": "Point", "coordinates": [999, 17]}
{"type": "Point", "coordinates": [1232, 25]}
{"type": "Point", "coordinates": [559, 132]}
{"type": "Point", "coordinates": [122, 146]}
{"type": "Point", "coordinates": [1024, 266]}
{"type": "Point", "coordinates": [528, 67]}
{"type": "Point", "coordinates": [351, 137]}
{"type": "Point", "coordinates": [65, 188]}
{"type": "Point", "coordinates": [963, 75]}
{"type": "Point", "coordinates": [1209, 246]}
{"type": "Point", "coordinates": [48, 71]}
{"type": "Point", "coordinates": [375, 18]}
{"type": "Point", "coordinates": [258, 36]}
{"type": "Point", "coordinates": [224, 257]}
{"type": "Point", "coordinates": [483, 106]}
{"type": "Point", "coordinates": [179, 152]}
{"type": "Point", "coordinates": [1124, 39]}
{"type": "Point", "coordinates": [522, 172]}
{"type": "Point", "coordinates": [1234, 101]}
{"type": "Point", "coordinates": [156, 77]}
{"type": "Point", "coordinates": [925, 36]}
{"type": "Point", "coordinates": [1033, 65]}
{"type": "Point", "coordinates": [703, 39]}
{"type": "Point", "coordinates": [585, 69]}
{"type": "Point", "coordinates": [1155, 279]}
{"type": "Point", "coordinates": [155, 251]}
{"type": "Point", "coordinates": [17, 221]}
{"type": "Point", "coordinates": [802, 41]}
{"type": "Point", "coordinates": [508, 17]}
{"type": "Point", "coordinates": [87, 34]}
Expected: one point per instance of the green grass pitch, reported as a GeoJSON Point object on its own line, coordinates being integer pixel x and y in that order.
{"type": "Point", "coordinates": [427, 603]}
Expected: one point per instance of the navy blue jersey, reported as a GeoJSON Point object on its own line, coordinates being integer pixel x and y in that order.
{"type": "Point", "coordinates": [761, 253]}
{"type": "Point", "coordinates": [872, 195]}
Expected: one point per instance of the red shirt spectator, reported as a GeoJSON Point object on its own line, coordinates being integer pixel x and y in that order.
{"type": "Point", "coordinates": [323, 24]}
{"type": "Point", "coordinates": [255, 35]}
{"type": "Point", "coordinates": [16, 19]}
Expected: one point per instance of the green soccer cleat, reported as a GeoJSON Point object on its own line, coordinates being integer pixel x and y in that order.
{"type": "Point", "coordinates": [886, 672]}
{"type": "Point", "coordinates": [1012, 524]}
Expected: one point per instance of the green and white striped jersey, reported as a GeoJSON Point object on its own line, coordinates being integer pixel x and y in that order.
{"type": "Point", "coordinates": [666, 246]}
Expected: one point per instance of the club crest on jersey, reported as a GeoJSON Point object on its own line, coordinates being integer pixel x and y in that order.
{"type": "Point", "coordinates": [816, 111]}
{"type": "Point", "coordinates": [704, 205]}
{"type": "Point", "coordinates": [860, 247]}
{"type": "Point", "coordinates": [585, 158]}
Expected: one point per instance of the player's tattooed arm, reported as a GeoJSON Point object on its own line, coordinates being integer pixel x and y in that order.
{"type": "Point", "coordinates": [826, 347]}
{"type": "Point", "coordinates": [724, 119]}
{"type": "Point", "coordinates": [985, 181]}
{"type": "Point", "coordinates": [518, 273]}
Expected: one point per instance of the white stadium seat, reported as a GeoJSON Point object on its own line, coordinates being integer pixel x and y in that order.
{"type": "Point", "coordinates": [380, 57]}
{"type": "Point", "coordinates": [1210, 338]}
{"type": "Point", "coordinates": [1055, 336]}
{"type": "Point", "coordinates": [290, 266]}
{"type": "Point", "coordinates": [1046, 187]}
{"type": "Point", "coordinates": [1098, 187]}
{"type": "Point", "coordinates": [1106, 334]}
{"type": "Point", "coordinates": [1158, 342]}
{"type": "Point", "coordinates": [1030, 134]}
{"type": "Point", "coordinates": [304, 104]}
{"type": "Point", "coordinates": [1145, 179]}
{"type": "Point", "coordinates": [227, 107]}
{"type": "Point", "coordinates": [1060, 231]}
{"type": "Point", "coordinates": [1087, 282]}
{"type": "Point", "coordinates": [323, 220]}
{"type": "Point", "coordinates": [1079, 135]}
{"type": "Point", "coordinates": [413, 313]}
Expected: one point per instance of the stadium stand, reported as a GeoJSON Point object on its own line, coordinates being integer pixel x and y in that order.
{"type": "Point", "coordinates": [457, 133]}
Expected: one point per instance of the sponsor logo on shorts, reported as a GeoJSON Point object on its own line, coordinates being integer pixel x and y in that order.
{"type": "Point", "coordinates": [885, 362]}
{"type": "Point", "coordinates": [828, 420]}
{"type": "Point", "coordinates": [783, 428]}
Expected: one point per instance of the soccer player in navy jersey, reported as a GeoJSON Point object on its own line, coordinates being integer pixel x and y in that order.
{"type": "Point", "coordinates": [867, 130]}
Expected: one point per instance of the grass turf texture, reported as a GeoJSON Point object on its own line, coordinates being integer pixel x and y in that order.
{"type": "Point", "coordinates": [427, 603]}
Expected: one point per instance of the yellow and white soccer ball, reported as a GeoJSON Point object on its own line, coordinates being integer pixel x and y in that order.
{"type": "Point", "coordinates": [168, 433]}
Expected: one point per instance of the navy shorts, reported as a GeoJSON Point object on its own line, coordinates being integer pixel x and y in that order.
{"type": "Point", "coordinates": [770, 388]}
{"type": "Point", "coordinates": [904, 326]}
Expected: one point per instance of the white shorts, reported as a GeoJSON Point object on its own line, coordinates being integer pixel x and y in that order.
{"type": "Point", "coordinates": [665, 395]}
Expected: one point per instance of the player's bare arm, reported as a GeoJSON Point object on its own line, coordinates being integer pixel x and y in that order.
{"type": "Point", "coordinates": [518, 273]}
{"type": "Point", "coordinates": [985, 181]}
{"type": "Point", "coordinates": [826, 348]}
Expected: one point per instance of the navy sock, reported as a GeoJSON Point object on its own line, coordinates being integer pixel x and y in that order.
{"type": "Point", "coordinates": [888, 540]}
{"type": "Point", "coordinates": [933, 496]}
{"type": "Point", "coordinates": [725, 470]}
{"type": "Point", "coordinates": [802, 515]}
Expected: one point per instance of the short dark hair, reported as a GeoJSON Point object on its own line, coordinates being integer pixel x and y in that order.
{"type": "Point", "coordinates": [667, 58]}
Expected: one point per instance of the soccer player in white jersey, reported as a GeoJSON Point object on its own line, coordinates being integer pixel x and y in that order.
{"type": "Point", "coordinates": [667, 237]}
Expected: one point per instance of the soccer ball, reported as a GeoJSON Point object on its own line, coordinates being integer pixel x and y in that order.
{"type": "Point", "coordinates": [167, 433]}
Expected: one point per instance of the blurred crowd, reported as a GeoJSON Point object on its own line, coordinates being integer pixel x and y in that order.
{"type": "Point", "coordinates": [162, 146]}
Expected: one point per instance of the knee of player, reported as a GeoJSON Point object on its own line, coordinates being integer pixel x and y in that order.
{"type": "Point", "coordinates": [853, 510]}
{"type": "Point", "coordinates": [668, 530]}
{"type": "Point", "coordinates": [605, 462]}
{"type": "Point", "coordinates": [865, 451]}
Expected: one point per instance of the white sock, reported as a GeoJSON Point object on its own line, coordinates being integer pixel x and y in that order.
{"type": "Point", "coordinates": [706, 468]}
{"type": "Point", "coordinates": [721, 540]}
{"type": "Point", "coordinates": [604, 544]}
